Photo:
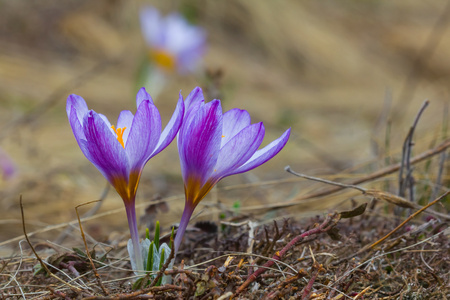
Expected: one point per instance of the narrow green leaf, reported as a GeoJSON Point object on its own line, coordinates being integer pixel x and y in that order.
{"type": "Point", "coordinates": [156, 239]}
{"type": "Point", "coordinates": [149, 267]}
{"type": "Point", "coordinates": [171, 239]}
{"type": "Point", "coordinates": [147, 233]}
{"type": "Point", "coordinates": [161, 263]}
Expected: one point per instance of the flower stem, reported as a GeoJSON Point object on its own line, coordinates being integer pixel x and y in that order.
{"type": "Point", "coordinates": [187, 213]}
{"type": "Point", "coordinates": [132, 224]}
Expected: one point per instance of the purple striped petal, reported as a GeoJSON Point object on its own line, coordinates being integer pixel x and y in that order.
{"type": "Point", "coordinates": [144, 135]}
{"type": "Point", "coordinates": [233, 122]}
{"type": "Point", "coordinates": [143, 95]}
{"type": "Point", "coordinates": [172, 127]}
{"type": "Point", "coordinates": [238, 150]}
{"type": "Point", "coordinates": [199, 142]}
{"type": "Point", "coordinates": [103, 149]}
{"type": "Point", "coordinates": [124, 121]}
{"type": "Point", "coordinates": [195, 96]}
{"type": "Point", "coordinates": [78, 131]}
{"type": "Point", "coordinates": [77, 102]}
{"type": "Point", "coordinates": [264, 154]}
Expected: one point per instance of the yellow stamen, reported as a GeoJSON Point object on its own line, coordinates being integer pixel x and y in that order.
{"type": "Point", "coordinates": [119, 132]}
{"type": "Point", "coordinates": [223, 136]}
{"type": "Point", "coordinates": [163, 59]}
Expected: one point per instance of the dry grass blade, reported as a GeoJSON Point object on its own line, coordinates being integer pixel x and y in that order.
{"type": "Point", "coordinates": [88, 254]}
{"type": "Point", "coordinates": [73, 288]}
{"type": "Point", "coordinates": [409, 218]}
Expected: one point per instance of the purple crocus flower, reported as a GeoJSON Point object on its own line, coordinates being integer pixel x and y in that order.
{"type": "Point", "coordinates": [121, 153]}
{"type": "Point", "coordinates": [213, 145]}
{"type": "Point", "coordinates": [7, 168]}
{"type": "Point", "coordinates": [174, 43]}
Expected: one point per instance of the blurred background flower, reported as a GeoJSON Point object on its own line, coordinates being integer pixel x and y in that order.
{"type": "Point", "coordinates": [7, 167]}
{"type": "Point", "coordinates": [174, 45]}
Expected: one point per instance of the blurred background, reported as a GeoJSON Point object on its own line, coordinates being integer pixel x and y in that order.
{"type": "Point", "coordinates": [349, 77]}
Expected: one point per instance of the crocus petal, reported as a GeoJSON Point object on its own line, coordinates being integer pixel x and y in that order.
{"type": "Point", "coordinates": [172, 127]}
{"type": "Point", "coordinates": [199, 142]}
{"type": "Point", "coordinates": [233, 122]}
{"type": "Point", "coordinates": [76, 102]}
{"type": "Point", "coordinates": [104, 150]}
{"type": "Point", "coordinates": [264, 154]}
{"type": "Point", "coordinates": [144, 135]}
{"type": "Point", "coordinates": [238, 150]}
{"type": "Point", "coordinates": [124, 121]}
{"type": "Point", "coordinates": [195, 96]}
{"type": "Point", "coordinates": [143, 95]}
{"type": "Point", "coordinates": [75, 123]}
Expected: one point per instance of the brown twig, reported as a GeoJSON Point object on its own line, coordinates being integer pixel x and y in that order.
{"type": "Point", "coordinates": [166, 264]}
{"type": "Point", "coordinates": [167, 287]}
{"type": "Point", "coordinates": [307, 289]}
{"type": "Point", "coordinates": [406, 221]}
{"type": "Point", "coordinates": [408, 180]}
{"type": "Point", "coordinates": [380, 173]}
{"type": "Point", "coordinates": [89, 213]}
{"type": "Point", "coordinates": [94, 269]}
{"type": "Point", "coordinates": [396, 200]}
{"type": "Point", "coordinates": [43, 265]}
{"type": "Point", "coordinates": [330, 221]}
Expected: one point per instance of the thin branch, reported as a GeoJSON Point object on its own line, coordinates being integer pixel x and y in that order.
{"type": "Point", "coordinates": [97, 276]}
{"type": "Point", "coordinates": [91, 212]}
{"type": "Point", "coordinates": [396, 200]}
{"type": "Point", "coordinates": [43, 265]}
{"type": "Point", "coordinates": [330, 221]}
{"type": "Point", "coordinates": [407, 220]}
{"type": "Point", "coordinates": [408, 181]}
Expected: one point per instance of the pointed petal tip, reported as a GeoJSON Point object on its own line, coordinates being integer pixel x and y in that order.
{"type": "Point", "coordinates": [142, 95]}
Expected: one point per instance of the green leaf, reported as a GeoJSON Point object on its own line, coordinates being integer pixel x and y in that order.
{"type": "Point", "coordinates": [171, 239]}
{"type": "Point", "coordinates": [161, 263]}
{"type": "Point", "coordinates": [156, 239]}
{"type": "Point", "coordinates": [147, 233]}
{"type": "Point", "coordinates": [137, 284]}
{"type": "Point", "coordinates": [150, 257]}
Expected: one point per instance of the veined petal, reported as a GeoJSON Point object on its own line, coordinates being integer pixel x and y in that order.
{"type": "Point", "coordinates": [264, 154]}
{"type": "Point", "coordinates": [195, 96]}
{"type": "Point", "coordinates": [233, 122]}
{"type": "Point", "coordinates": [77, 129]}
{"type": "Point", "coordinates": [124, 121]}
{"type": "Point", "coordinates": [76, 102]}
{"type": "Point", "coordinates": [199, 142]}
{"type": "Point", "coordinates": [143, 95]}
{"type": "Point", "coordinates": [104, 150]}
{"type": "Point", "coordinates": [144, 135]}
{"type": "Point", "coordinates": [238, 150]}
{"type": "Point", "coordinates": [172, 127]}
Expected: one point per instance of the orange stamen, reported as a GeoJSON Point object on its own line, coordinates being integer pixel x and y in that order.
{"type": "Point", "coordinates": [119, 132]}
{"type": "Point", "coordinates": [223, 136]}
{"type": "Point", "coordinates": [163, 59]}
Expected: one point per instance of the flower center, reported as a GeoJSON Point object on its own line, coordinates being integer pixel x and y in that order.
{"type": "Point", "coordinates": [163, 59]}
{"type": "Point", "coordinates": [119, 132]}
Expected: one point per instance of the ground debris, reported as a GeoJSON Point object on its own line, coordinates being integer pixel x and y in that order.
{"type": "Point", "coordinates": [412, 264]}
